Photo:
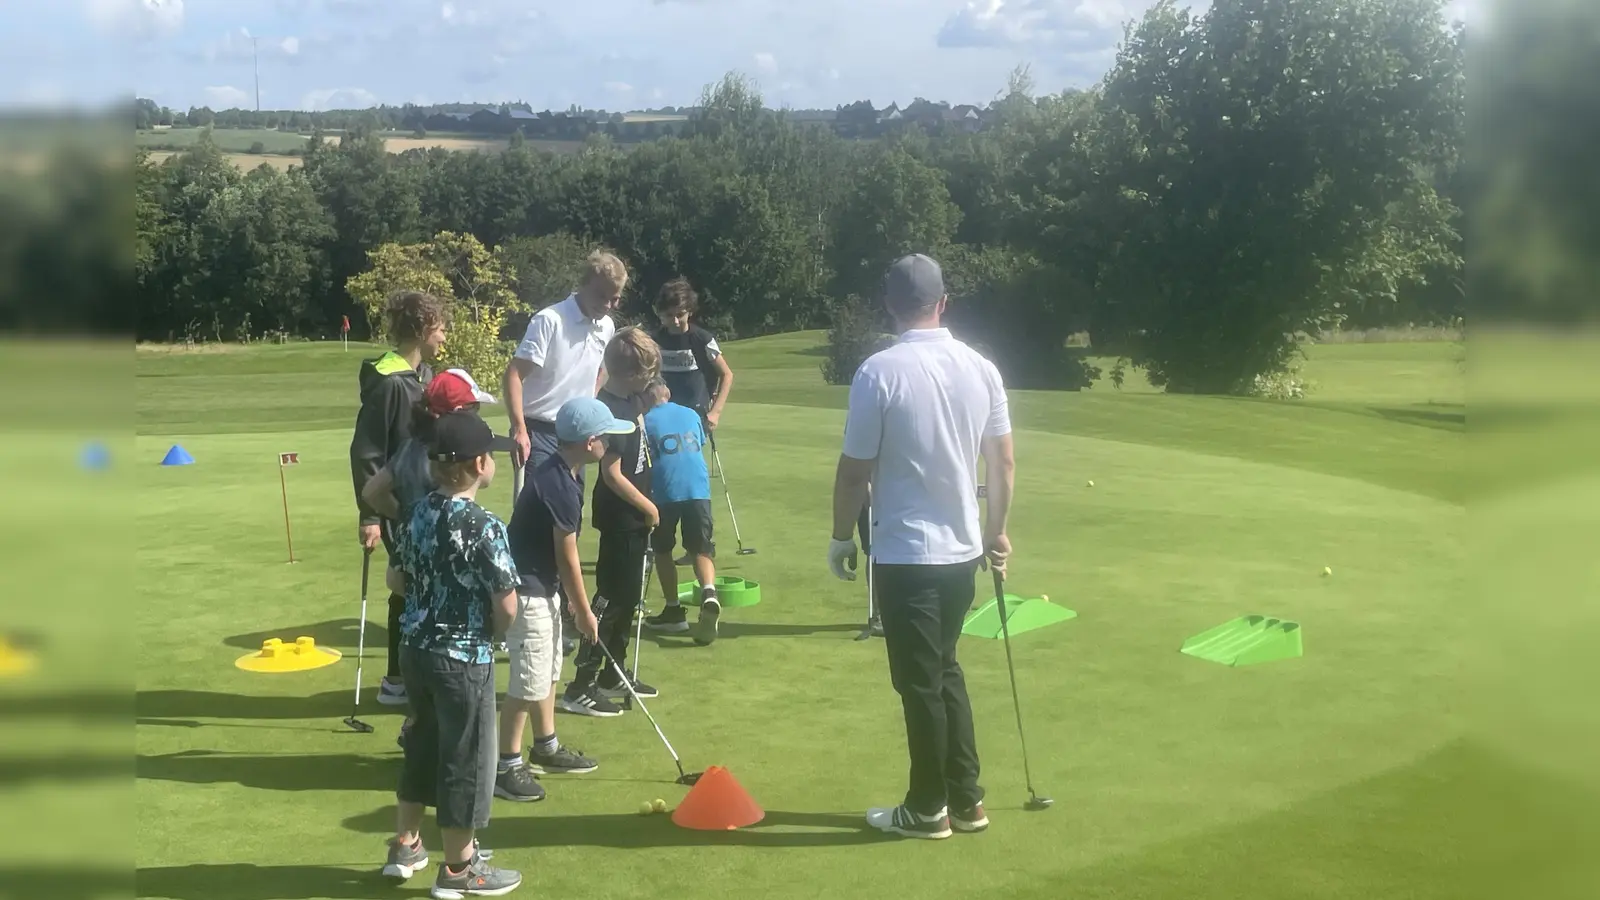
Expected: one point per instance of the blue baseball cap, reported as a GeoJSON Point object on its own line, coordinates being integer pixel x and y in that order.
{"type": "Point", "coordinates": [587, 417]}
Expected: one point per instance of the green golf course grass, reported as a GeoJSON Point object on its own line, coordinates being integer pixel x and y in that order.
{"type": "Point", "coordinates": [1348, 773]}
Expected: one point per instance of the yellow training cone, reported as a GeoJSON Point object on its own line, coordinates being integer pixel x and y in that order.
{"type": "Point", "coordinates": [276, 656]}
{"type": "Point", "coordinates": [14, 661]}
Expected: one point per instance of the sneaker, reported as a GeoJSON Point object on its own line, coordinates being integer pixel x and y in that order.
{"type": "Point", "coordinates": [588, 702]}
{"type": "Point", "coordinates": [969, 820]}
{"type": "Point", "coordinates": [518, 785]}
{"type": "Point", "coordinates": [710, 612]}
{"type": "Point", "coordinates": [620, 692]}
{"type": "Point", "coordinates": [478, 879]}
{"type": "Point", "coordinates": [904, 822]}
{"type": "Point", "coordinates": [392, 693]}
{"type": "Point", "coordinates": [404, 861]}
{"type": "Point", "coordinates": [877, 626]}
{"type": "Point", "coordinates": [564, 761]}
{"type": "Point", "coordinates": [671, 620]}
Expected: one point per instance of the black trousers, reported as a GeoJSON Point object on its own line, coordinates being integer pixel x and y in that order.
{"type": "Point", "coordinates": [618, 585]}
{"type": "Point", "coordinates": [923, 608]}
{"type": "Point", "coordinates": [397, 602]}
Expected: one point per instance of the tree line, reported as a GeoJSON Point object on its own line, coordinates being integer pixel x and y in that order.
{"type": "Point", "coordinates": [1257, 171]}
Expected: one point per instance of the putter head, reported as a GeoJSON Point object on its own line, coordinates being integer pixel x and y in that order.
{"type": "Point", "coordinates": [747, 551]}
{"type": "Point", "coordinates": [865, 635]}
{"type": "Point", "coordinates": [689, 778]}
{"type": "Point", "coordinates": [357, 725]}
{"type": "Point", "coordinates": [1036, 803]}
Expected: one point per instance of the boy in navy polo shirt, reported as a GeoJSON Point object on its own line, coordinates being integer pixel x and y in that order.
{"type": "Point", "coordinates": [544, 544]}
{"type": "Point", "coordinates": [681, 487]}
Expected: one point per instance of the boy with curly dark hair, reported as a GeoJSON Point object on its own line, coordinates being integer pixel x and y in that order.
{"type": "Point", "coordinates": [391, 387]}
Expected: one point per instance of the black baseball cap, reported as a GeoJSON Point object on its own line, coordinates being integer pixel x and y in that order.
{"type": "Point", "coordinates": [464, 435]}
{"type": "Point", "coordinates": [914, 282]}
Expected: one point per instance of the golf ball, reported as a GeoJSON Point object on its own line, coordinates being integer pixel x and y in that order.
{"type": "Point", "coordinates": [1326, 571]}
{"type": "Point", "coordinates": [646, 808]}
{"type": "Point", "coordinates": [1091, 484]}
{"type": "Point", "coordinates": [1045, 597]}
{"type": "Point", "coordinates": [659, 805]}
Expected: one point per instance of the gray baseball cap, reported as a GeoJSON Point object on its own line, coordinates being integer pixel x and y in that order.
{"type": "Point", "coordinates": [913, 282]}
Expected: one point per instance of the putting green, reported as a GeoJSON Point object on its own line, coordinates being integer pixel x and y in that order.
{"type": "Point", "coordinates": [1172, 778]}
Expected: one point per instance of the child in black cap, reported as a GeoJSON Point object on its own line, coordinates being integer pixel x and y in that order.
{"type": "Point", "coordinates": [460, 589]}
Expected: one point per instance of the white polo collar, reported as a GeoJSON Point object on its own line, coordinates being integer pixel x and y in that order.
{"type": "Point", "coordinates": [922, 335]}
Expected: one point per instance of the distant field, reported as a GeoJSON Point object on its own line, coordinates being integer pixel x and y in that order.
{"type": "Point", "coordinates": [229, 140]}
{"type": "Point", "coordinates": [244, 161]}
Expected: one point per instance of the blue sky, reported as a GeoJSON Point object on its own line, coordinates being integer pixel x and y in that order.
{"type": "Point", "coordinates": [614, 54]}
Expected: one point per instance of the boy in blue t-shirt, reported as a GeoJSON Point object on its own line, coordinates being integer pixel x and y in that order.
{"type": "Point", "coordinates": [681, 489]}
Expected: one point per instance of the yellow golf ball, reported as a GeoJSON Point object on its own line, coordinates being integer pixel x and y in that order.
{"type": "Point", "coordinates": [646, 808]}
{"type": "Point", "coordinates": [660, 805]}
{"type": "Point", "coordinates": [1045, 597]}
{"type": "Point", "coordinates": [1091, 484]}
{"type": "Point", "coordinates": [1326, 571]}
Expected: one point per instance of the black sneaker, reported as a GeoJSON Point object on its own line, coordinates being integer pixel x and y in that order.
{"type": "Point", "coordinates": [478, 879]}
{"type": "Point", "coordinates": [619, 692]}
{"type": "Point", "coordinates": [671, 620]}
{"type": "Point", "coordinates": [710, 612]}
{"type": "Point", "coordinates": [564, 761]}
{"type": "Point", "coordinates": [969, 820]}
{"type": "Point", "coordinates": [403, 861]}
{"type": "Point", "coordinates": [588, 702]}
{"type": "Point", "coordinates": [902, 821]}
{"type": "Point", "coordinates": [518, 785]}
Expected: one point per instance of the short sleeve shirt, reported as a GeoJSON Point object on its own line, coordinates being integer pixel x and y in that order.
{"type": "Point", "coordinates": [679, 470]}
{"type": "Point", "coordinates": [921, 409]}
{"type": "Point", "coordinates": [457, 558]}
{"type": "Point", "coordinates": [569, 349]}
{"type": "Point", "coordinates": [611, 512]}
{"type": "Point", "coordinates": [551, 501]}
{"type": "Point", "coordinates": [686, 365]}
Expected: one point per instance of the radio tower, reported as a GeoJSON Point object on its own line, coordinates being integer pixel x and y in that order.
{"type": "Point", "coordinates": [256, 50]}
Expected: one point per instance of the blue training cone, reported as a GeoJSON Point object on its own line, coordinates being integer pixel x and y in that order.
{"type": "Point", "coordinates": [177, 456]}
{"type": "Point", "coordinates": [96, 456]}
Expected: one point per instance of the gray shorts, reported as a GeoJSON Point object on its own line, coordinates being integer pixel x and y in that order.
{"type": "Point", "coordinates": [451, 748]}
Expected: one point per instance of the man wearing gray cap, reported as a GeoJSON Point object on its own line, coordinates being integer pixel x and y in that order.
{"type": "Point", "coordinates": [921, 413]}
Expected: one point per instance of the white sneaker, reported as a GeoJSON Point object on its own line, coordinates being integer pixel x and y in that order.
{"type": "Point", "coordinates": [902, 821]}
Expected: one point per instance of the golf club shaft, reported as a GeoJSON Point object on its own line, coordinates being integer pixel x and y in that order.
{"type": "Point", "coordinates": [361, 631]}
{"type": "Point", "coordinates": [1011, 669]}
{"type": "Point", "coordinates": [640, 703]}
{"type": "Point", "coordinates": [638, 624]}
{"type": "Point", "coordinates": [722, 476]}
{"type": "Point", "coordinates": [872, 597]}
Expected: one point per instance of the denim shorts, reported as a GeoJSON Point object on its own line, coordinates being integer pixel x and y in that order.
{"type": "Point", "coordinates": [451, 748]}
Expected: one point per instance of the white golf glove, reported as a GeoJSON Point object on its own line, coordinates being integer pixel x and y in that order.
{"type": "Point", "coordinates": [839, 554]}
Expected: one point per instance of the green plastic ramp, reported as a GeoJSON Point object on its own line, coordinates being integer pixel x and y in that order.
{"type": "Point", "coordinates": [1246, 641]}
{"type": "Point", "coordinates": [1021, 615]}
{"type": "Point", "coordinates": [731, 591]}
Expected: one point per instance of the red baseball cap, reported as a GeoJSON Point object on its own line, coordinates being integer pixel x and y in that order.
{"type": "Point", "coordinates": [453, 389]}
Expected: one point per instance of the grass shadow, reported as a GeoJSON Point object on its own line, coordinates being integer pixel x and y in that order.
{"type": "Point", "coordinates": [1423, 418]}
{"type": "Point", "coordinates": [77, 767]}
{"type": "Point", "coordinates": [337, 633]}
{"type": "Point", "coordinates": [90, 705]}
{"type": "Point", "coordinates": [192, 705]}
{"type": "Point", "coordinates": [86, 883]}
{"type": "Point", "coordinates": [623, 831]}
{"type": "Point", "coordinates": [242, 881]}
{"type": "Point", "coordinates": [289, 772]}
{"type": "Point", "coordinates": [734, 630]}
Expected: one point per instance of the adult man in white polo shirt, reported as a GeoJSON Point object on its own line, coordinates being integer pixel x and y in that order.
{"type": "Point", "coordinates": [921, 413]}
{"type": "Point", "coordinates": [561, 358]}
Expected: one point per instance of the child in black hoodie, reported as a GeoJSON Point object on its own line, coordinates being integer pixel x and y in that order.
{"type": "Point", "coordinates": [391, 386]}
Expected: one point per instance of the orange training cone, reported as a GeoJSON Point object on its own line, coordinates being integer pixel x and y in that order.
{"type": "Point", "coordinates": [717, 802]}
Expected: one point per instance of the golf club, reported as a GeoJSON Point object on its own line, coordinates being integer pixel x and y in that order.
{"type": "Point", "coordinates": [1035, 802]}
{"type": "Point", "coordinates": [638, 624]}
{"type": "Point", "coordinates": [723, 477]}
{"type": "Point", "coordinates": [683, 777]}
{"type": "Point", "coordinates": [872, 611]}
{"type": "Point", "coordinates": [354, 723]}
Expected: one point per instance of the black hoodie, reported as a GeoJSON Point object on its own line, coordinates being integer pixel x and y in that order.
{"type": "Point", "coordinates": [390, 388]}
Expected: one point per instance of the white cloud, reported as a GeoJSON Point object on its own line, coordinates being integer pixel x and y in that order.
{"type": "Point", "coordinates": [290, 46]}
{"type": "Point", "coordinates": [1071, 26]}
{"type": "Point", "coordinates": [619, 87]}
{"type": "Point", "coordinates": [227, 97]}
{"type": "Point", "coordinates": [337, 98]}
{"type": "Point", "coordinates": [447, 12]}
{"type": "Point", "coordinates": [136, 18]}
{"type": "Point", "coordinates": [766, 63]}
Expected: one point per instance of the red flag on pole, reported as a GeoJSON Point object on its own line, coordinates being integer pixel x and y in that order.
{"type": "Point", "coordinates": [346, 327]}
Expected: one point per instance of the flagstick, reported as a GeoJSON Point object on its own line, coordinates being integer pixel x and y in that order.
{"type": "Point", "coordinates": [289, 535]}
